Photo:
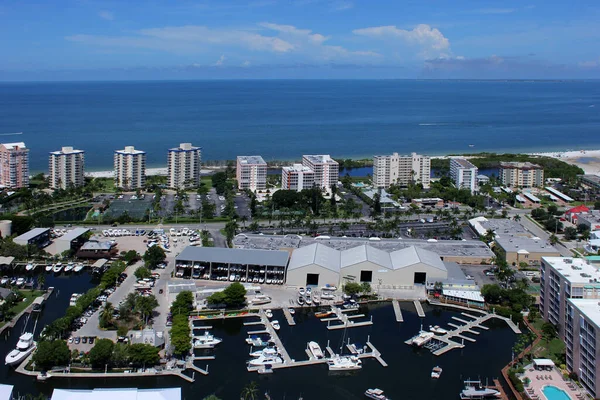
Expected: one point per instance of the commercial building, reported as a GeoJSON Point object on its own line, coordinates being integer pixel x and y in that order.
{"type": "Point", "coordinates": [130, 168]}
{"type": "Point", "coordinates": [521, 174]}
{"type": "Point", "coordinates": [39, 237]}
{"type": "Point", "coordinates": [117, 394]}
{"type": "Point", "coordinates": [147, 336]}
{"type": "Point", "coordinates": [385, 200]}
{"type": "Point", "coordinates": [95, 249]}
{"type": "Point", "coordinates": [183, 167]}
{"type": "Point", "coordinates": [590, 220]}
{"type": "Point", "coordinates": [517, 249]}
{"type": "Point", "coordinates": [401, 170]}
{"type": "Point", "coordinates": [582, 337]}
{"type": "Point", "coordinates": [572, 214]}
{"type": "Point", "coordinates": [251, 173]}
{"type": "Point", "coordinates": [71, 240]}
{"type": "Point", "coordinates": [463, 174]}
{"type": "Point", "coordinates": [319, 265]}
{"type": "Point", "coordinates": [297, 177]}
{"type": "Point", "coordinates": [66, 168]}
{"type": "Point", "coordinates": [14, 165]}
{"type": "Point", "coordinates": [326, 169]}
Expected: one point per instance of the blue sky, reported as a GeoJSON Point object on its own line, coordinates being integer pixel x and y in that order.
{"type": "Point", "coordinates": [181, 39]}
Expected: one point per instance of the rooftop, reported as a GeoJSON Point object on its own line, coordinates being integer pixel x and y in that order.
{"type": "Point", "coordinates": [297, 168]}
{"type": "Point", "coordinates": [590, 308]}
{"type": "Point", "coordinates": [575, 270]}
{"type": "Point", "coordinates": [234, 256]}
{"type": "Point", "coordinates": [35, 232]}
{"type": "Point", "coordinates": [66, 150]}
{"type": "Point", "coordinates": [498, 226]}
{"type": "Point", "coordinates": [254, 160]}
{"type": "Point", "coordinates": [96, 245]}
{"type": "Point", "coordinates": [184, 147]}
{"type": "Point", "coordinates": [15, 145]}
{"type": "Point", "coordinates": [147, 336]}
{"type": "Point", "coordinates": [463, 163]}
{"type": "Point", "coordinates": [320, 158]}
{"type": "Point", "coordinates": [117, 394]}
{"type": "Point", "coordinates": [520, 165]}
{"type": "Point", "coordinates": [73, 234]}
{"type": "Point", "coordinates": [593, 217]}
{"type": "Point", "coordinates": [523, 245]}
{"type": "Point", "coordinates": [591, 178]}
{"type": "Point", "coordinates": [6, 392]}
{"type": "Point", "coordinates": [129, 150]}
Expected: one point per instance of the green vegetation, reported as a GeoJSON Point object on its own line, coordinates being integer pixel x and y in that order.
{"type": "Point", "coordinates": [508, 302]}
{"type": "Point", "coordinates": [101, 353]}
{"type": "Point", "coordinates": [17, 302]}
{"type": "Point", "coordinates": [349, 163]}
{"type": "Point", "coordinates": [234, 296]}
{"type": "Point", "coordinates": [142, 273]}
{"type": "Point", "coordinates": [51, 353]}
{"type": "Point", "coordinates": [183, 304]}
{"type": "Point", "coordinates": [112, 274]}
{"type": "Point", "coordinates": [250, 391]}
{"type": "Point", "coordinates": [181, 338]}
{"type": "Point", "coordinates": [106, 354]}
{"type": "Point", "coordinates": [130, 256]}
{"type": "Point", "coordinates": [154, 256]}
{"type": "Point", "coordinates": [548, 218]}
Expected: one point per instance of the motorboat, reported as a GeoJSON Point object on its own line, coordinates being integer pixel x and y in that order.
{"type": "Point", "coordinates": [256, 341]}
{"type": "Point", "coordinates": [436, 372]}
{"type": "Point", "coordinates": [422, 338]}
{"type": "Point", "coordinates": [265, 360]}
{"type": "Point", "coordinates": [291, 311]}
{"type": "Point", "coordinates": [308, 301]}
{"type": "Point", "coordinates": [329, 287]}
{"type": "Point", "coordinates": [327, 296]}
{"type": "Point", "coordinates": [324, 314]}
{"type": "Point", "coordinates": [344, 363]}
{"type": "Point", "coordinates": [301, 291]}
{"type": "Point", "coordinates": [49, 268]}
{"type": "Point", "coordinates": [206, 341]}
{"type": "Point", "coordinates": [260, 299]}
{"type": "Point", "coordinates": [351, 305]}
{"type": "Point", "coordinates": [29, 267]}
{"type": "Point", "coordinates": [300, 300]}
{"type": "Point", "coordinates": [267, 351]}
{"type": "Point", "coordinates": [69, 267]}
{"type": "Point", "coordinates": [78, 267]}
{"type": "Point", "coordinates": [275, 325]}
{"type": "Point", "coordinates": [474, 390]}
{"type": "Point", "coordinates": [437, 329]}
{"type": "Point", "coordinates": [316, 300]}
{"type": "Point", "coordinates": [57, 268]}
{"type": "Point", "coordinates": [25, 346]}
{"type": "Point", "coordinates": [376, 394]}
{"type": "Point", "coordinates": [269, 314]}
{"type": "Point", "coordinates": [315, 349]}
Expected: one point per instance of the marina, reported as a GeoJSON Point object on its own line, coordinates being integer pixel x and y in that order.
{"type": "Point", "coordinates": [397, 311]}
{"type": "Point", "coordinates": [419, 308]}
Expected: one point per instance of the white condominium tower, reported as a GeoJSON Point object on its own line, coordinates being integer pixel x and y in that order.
{"type": "Point", "coordinates": [130, 168]}
{"type": "Point", "coordinates": [251, 173]}
{"type": "Point", "coordinates": [326, 169]}
{"type": "Point", "coordinates": [463, 174]}
{"type": "Point", "coordinates": [184, 166]}
{"type": "Point", "coordinates": [297, 177]}
{"type": "Point", "coordinates": [401, 170]}
{"type": "Point", "coordinates": [66, 168]}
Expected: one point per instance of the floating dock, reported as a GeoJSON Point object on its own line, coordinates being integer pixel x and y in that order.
{"type": "Point", "coordinates": [397, 311]}
{"type": "Point", "coordinates": [289, 317]}
{"type": "Point", "coordinates": [419, 308]}
{"type": "Point", "coordinates": [346, 320]}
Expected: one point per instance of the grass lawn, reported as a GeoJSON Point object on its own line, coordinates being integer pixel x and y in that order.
{"type": "Point", "coordinates": [547, 349]}
{"type": "Point", "coordinates": [107, 184]}
{"type": "Point", "coordinates": [28, 297]}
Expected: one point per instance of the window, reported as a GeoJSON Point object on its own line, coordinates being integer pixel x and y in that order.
{"type": "Point", "coordinates": [366, 276]}
{"type": "Point", "coordinates": [312, 279]}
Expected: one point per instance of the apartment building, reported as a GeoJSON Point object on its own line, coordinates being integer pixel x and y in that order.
{"type": "Point", "coordinates": [14, 165]}
{"type": "Point", "coordinates": [521, 174]}
{"type": "Point", "coordinates": [183, 166]}
{"type": "Point", "coordinates": [297, 177]}
{"type": "Point", "coordinates": [326, 169]}
{"type": "Point", "coordinates": [464, 174]}
{"type": "Point", "coordinates": [251, 173]}
{"type": "Point", "coordinates": [66, 168]}
{"type": "Point", "coordinates": [130, 168]}
{"type": "Point", "coordinates": [401, 170]}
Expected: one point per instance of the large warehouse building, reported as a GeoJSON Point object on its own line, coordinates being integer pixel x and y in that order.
{"type": "Point", "coordinates": [319, 265]}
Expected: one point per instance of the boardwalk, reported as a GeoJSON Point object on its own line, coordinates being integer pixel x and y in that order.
{"type": "Point", "coordinates": [419, 308]}
{"type": "Point", "coordinates": [397, 311]}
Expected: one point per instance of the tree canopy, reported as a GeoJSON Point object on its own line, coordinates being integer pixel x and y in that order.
{"type": "Point", "coordinates": [51, 353]}
{"type": "Point", "coordinates": [153, 256]}
{"type": "Point", "coordinates": [183, 304]}
{"type": "Point", "coordinates": [101, 353]}
{"type": "Point", "coordinates": [142, 273]}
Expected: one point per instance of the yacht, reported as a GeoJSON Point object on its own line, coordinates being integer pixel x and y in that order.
{"type": "Point", "coordinates": [376, 394]}
{"type": "Point", "coordinates": [438, 330]}
{"type": "Point", "coordinates": [256, 341]}
{"type": "Point", "coordinates": [29, 267]}
{"type": "Point", "coordinates": [78, 267]}
{"type": "Point", "coordinates": [57, 267]}
{"type": "Point", "coordinates": [308, 300]}
{"type": "Point", "coordinates": [25, 346]}
{"type": "Point", "coordinates": [315, 349]}
{"type": "Point", "coordinates": [275, 325]}
{"type": "Point", "coordinates": [49, 268]}
{"type": "Point", "coordinates": [260, 299]}
{"type": "Point", "coordinates": [206, 341]}
{"type": "Point", "coordinates": [422, 338]}
{"type": "Point", "coordinates": [69, 267]}
{"type": "Point", "coordinates": [344, 363]}
{"type": "Point", "coordinates": [267, 351]}
{"type": "Point", "coordinates": [269, 314]}
{"type": "Point", "coordinates": [474, 390]}
{"type": "Point", "coordinates": [436, 372]}
{"type": "Point", "coordinates": [265, 360]}
{"type": "Point", "coordinates": [324, 314]}
{"type": "Point", "coordinates": [351, 305]}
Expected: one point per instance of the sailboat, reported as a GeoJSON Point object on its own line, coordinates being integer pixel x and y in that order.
{"type": "Point", "coordinates": [339, 362]}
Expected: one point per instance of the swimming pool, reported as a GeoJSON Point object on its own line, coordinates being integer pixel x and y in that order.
{"type": "Point", "coordinates": [554, 393]}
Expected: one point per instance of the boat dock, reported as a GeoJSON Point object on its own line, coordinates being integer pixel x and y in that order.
{"type": "Point", "coordinates": [346, 320]}
{"type": "Point", "coordinates": [419, 308]}
{"type": "Point", "coordinates": [289, 317]}
{"type": "Point", "coordinates": [397, 311]}
{"type": "Point", "coordinates": [274, 337]}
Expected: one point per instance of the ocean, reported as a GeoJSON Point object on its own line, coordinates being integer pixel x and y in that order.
{"type": "Point", "coordinates": [283, 119]}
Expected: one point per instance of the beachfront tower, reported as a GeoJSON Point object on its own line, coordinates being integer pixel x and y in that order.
{"type": "Point", "coordinates": [326, 169]}
{"type": "Point", "coordinates": [66, 168]}
{"type": "Point", "coordinates": [521, 174]}
{"type": "Point", "coordinates": [184, 166]}
{"type": "Point", "coordinates": [130, 168]}
{"type": "Point", "coordinates": [251, 173]}
{"type": "Point", "coordinates": [297, 177]}
{"type": "Point", "coordinates": [401, 170]}
{"type": "Point", "coordinates": [14, 165]}
{"type": "Point", "coordinates": [463, 174]}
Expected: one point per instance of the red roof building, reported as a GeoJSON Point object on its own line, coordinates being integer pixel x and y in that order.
{"type": "Point", "coordinates": [571, 214]}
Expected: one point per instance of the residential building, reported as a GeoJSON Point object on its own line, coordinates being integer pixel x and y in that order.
{"type": "Point", "coordinates": [463, 174]}
{"type": "Point", "coordinates": [582, 341]}
{"type": "Point", "coordinates": [130, 168]}
{"type": "Point", "coordinates": [590, 180]}
{"type": "Point", "coordinates": [251, 173]}
{"type": "Point", "coordinates": [184, 165]}
{"type": "Point", "coordinates": [66, 168]}
{"type": "Point", "coordinates": [297, 177]}
{"type": "Point", "coordinates": [326, 169]}
{"type": "Point", "coordinates": [521, 174]}
{"type": "Point", "coordinates": [401, 170]}
{"type": "Point", "coordinates": [14, 165]}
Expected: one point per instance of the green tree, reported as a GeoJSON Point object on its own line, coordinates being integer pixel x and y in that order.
{"type": "Point", "coordinates": [230, 230]}
{"type": "Point", "coordinates": [492, 293]}
{"type": "Point", "coordinates": [119, 356]}
{"type": "Point", "coordinates": [570, 233]}
{"type": "Point", "coordinates": [153, 256]}
{"type": "Point", "coordinates": [250, 391]}
{"type": "Point", "coordinates": [365, 288]}
{"type": "Point", "coordinates": [183, 304]}
{"type": "Point", "coordinates": [145, 305]}
{"type": "Point", "coordinates": [235, 295]}
{"type": "Point", "coordinates": [211, 397]}
{"type": "Point", "coordinates": [217, 299]}
{"type": "Point", "coordinates": [549, 333]}
{"type": "Point", "coordinates": [181, 340]}
{"type": "Point", "coordinates": [106, 315]}
{"type": "Point", "coordinates": [352, 288]}
{"type": "Point", "coordinates": [142, 273]}
{"type": "Point", "coordinates": [51, 354]}
{"type": "Point", "coordinates": [101, 353]}
{"type": "Point", "coordinates": [143, 355]}
{"type": "Point", "coordinates": [130, 257]}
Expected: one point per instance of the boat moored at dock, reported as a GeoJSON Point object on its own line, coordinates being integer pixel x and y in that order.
{"type": "Point", "coordinates": [206, 341]}
{"type": "Point", "coordinates": [475, 390]}
{"type": "Point", "coordinates": [25, 346]}
{"type": "Point", "coordinates": [315, 349]}
{"type": "Point", "coordinates": [376, 394]}
{"type": "Point", "coordinates": [344, 363]}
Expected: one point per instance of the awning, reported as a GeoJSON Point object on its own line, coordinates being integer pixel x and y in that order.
{"type": "Point", "coordinates": [543, 362]}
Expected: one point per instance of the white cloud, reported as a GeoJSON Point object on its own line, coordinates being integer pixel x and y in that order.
{"type": "Point", "coordinates": [430, 41]}
{"type": "Point", "coordinates": [293, 31]}
{"type": "Point", "coordinates": [246, 63]}
{"type": "Point", "coordinates": [220, 61]}
{"type": "Point", "coordinates": [107, 15]}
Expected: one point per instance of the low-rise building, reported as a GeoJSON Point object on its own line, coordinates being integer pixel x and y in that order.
{"type": "Point", "coordinates": [326, 169]}
{"type": "Point", "coordinates": [517, 249]}
{"type": "Point", "coordinates": [39, 237]}
{"type": "Point", "coordinates": [521, 174]}
{"type": "Point", "coordinates": [251, 173]}
{"type": "Point", "coordinates": [429, 202]}
{"type": "Point", "coordinates": [464, 174]}
{"type": "Point", "coordinates": [95, 249]}
{"type": "Point", "coordinates": [590, 180]}
{"type": "Point", "coordinates": [297, 177]}
{"type": "Point", "coordinates": [147, 336]}
{"type": "Point", "coordinates": [71, 241]}
{"type": "Point", "coordinates": [590, 220]}
{"type": "Point", "coordinates": [572, 214]}
{"type": "Point", "coordinates": [117, 394]}
{"type": "Point", "coordinates": [385, 200]}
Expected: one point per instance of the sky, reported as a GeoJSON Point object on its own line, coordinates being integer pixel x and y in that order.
{"type": "Point", "coordinates": [310, 39]}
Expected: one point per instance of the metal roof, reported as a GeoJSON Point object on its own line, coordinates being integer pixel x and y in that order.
{"type": "Point", "coordinates": [414, 255]}
{"type": "Point", "coordinates": [6, 260]}
{"type": "Point", "coordinates": [117, 394]}
{"type": "Point", "coordinates": [318, 254]}
{"type": "Point", "coordinates": [73, 234]}
{"type": "Point", "coordinates": [35, 232]}
{"type": "Point", "coordinates": [275, 258]}
{"type": "Point", "coordinates": [364, 253]}
{"type": "Point", "coordinates": [99, 263]}
{"type": "Point", "coordinates": [6, 392]}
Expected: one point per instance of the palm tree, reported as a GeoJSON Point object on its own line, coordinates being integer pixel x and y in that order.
{"type": "Point", "coordinates": [517, 217]}
{"type": "Point", "coordinates": [250, 391]}
{"type": "Point", "coordinates": [106, 315]}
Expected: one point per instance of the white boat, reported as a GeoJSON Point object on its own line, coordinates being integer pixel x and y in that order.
{"type": "Point", "coordinates": [4, 280]}
{"type": "Point", "coordinates": [260, 299]}
{"type": "Point", "coordinates": [351, 305]}
{"type": "Point", "coordinates": [437, 329]}
{"type": "Point", "coordinates": [315, 349]}
{"type": "Point", "coordinates": [256, 341]}
{"type": "Point", "coordinates": [269, 314]}
{"type": "Point", "coordinates": [57, 268]}
{"type": "Point", "coordinates": [265, 360]}
{"type": "Point", "coordinates": [436, 372]}
{"type": "Point", "coordinates": [316, 299]}
{"type": "Point", "coordinates": [329, 287]}
{"type": "Point", "coordinates": [20, 282]}
{"type": "Point", "coordinates": [308, 301]}
{"type": "Point", "coordinates": [78, 267]}
{"type": "Point", "coordinates": [301, 291]}
{"type": "Point", "coordinates": [267, 351]}
{"type": "Point", "coordinates": [25, 346]}
{"type": "Point", "coordinates": [206, 341]}
{"type": "Point", "coordinates": [69, 267]}
{"type": "Point", "coordinates": [49, 268]}
{"type": "Point", "coordinates": [291, 311]}
{"type": "Point", "coordinates": [300, 300]}
{"type": "Point", "coordinates": [422, 338]}
{"type": "Point", "coordinates": [275, 325]}
{"type": "Point", "coordinates": [344, 363]}
{"type": "Point", "coordinates": [327, 296]}
{"type": "Point", "coordinates": [474, 390]}
{"type": "Point", "coordinates": [376, 394]}
{"type": "Point", "coordinates": [29, 267]}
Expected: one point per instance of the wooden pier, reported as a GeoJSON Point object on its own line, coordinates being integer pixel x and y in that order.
{"type": "Point", "coordinates": [289, 317]}
{"type": "Point", "coordinates": [419, 308]}
{"type": "Point", "coordinates": [346, 320]}
{"type": "Point", "coordinates": [397, 311]}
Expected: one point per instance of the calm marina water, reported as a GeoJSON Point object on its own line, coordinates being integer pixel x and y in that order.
{"type": "Point", "coordinates": [283, 119]}
{"type": "Point", "coordinates": [407, 376]}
